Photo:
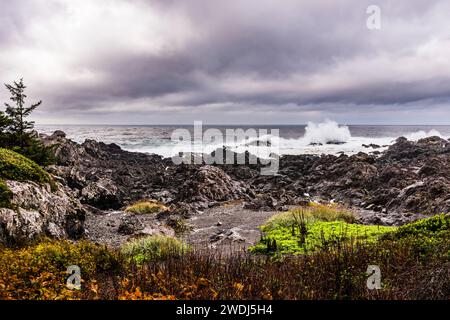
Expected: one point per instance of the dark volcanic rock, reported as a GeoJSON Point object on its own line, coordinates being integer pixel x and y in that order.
{"type": "Point", "coordinates": [210, 184]}
{"type": "Point", "coordinates": [130, 224]}
{"type": "Point", "coordinates": [104, 175]}
{"type": "Point", "coordinates": [102, 194]}
{"type": "Point", "coordinates": [408, 177]}
{"type": "Point", "coordinates": [371, 145]}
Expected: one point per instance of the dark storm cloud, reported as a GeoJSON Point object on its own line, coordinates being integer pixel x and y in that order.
{"type": "Point", "coordinates": [118, 56]}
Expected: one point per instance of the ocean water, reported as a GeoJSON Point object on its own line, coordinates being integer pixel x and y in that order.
{"type": "Point", "coordinates": [314, 138]}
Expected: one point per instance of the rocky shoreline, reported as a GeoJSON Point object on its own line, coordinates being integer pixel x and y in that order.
{"type": "Point", "coordinates": [96, 181]}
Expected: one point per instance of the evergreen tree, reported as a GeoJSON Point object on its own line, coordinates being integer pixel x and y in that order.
{"type": "Point", "coordinates": [20, 135]}
{"type": "Point", "coordinates": [20, 128]}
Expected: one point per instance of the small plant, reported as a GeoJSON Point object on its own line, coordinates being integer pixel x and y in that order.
{"type": "Point", "coordinates": [313, 212]}
{"type": "Point", "coordinates": [300, 223]}
{"type": "Point", "coordinates": [153, 248]}
{"type": "Point", "coordinates": [146, 207]}
{"type": "Point", "coordinates": [330, 212]}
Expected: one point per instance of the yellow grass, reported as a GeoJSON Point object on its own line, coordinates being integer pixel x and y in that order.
{"type": "Point", "coordinates": [146, 207]}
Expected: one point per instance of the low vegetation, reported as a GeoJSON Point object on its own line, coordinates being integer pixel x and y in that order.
{"type": "Point", "coordinates": [153, 248]}
{"type": "Point", "coordinates": [39, 271]}
{"type": "Point", "coordinates": [436, 226]}
{"type": "Point", "coordinates": [142, 271]}
{"type": "Point", "coordinates": [425, 234]}
{"type": "Point", "coordinates": [146, 207]}
{"type": "Point", "coordinates": [14, 166]}
{"type": "Point", "coordinates": [314, 228]}
{"type": "Point", "coordinates": [316, 252]}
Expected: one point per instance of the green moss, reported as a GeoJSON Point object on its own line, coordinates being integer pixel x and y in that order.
{"type": "Point", "coordinates": [14, 166]}
{"type": "Point", "coordinates": [312, 228]}
{"type": "Point", "coordinates": [5, 195]}
{"type": "Point", "coordinates": [318, 235]}
{"type": "Point", "coordinates": [305, 230]}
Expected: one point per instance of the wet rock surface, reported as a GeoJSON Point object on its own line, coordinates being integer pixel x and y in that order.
{"type": "Point", "coordinates": [397, 185]}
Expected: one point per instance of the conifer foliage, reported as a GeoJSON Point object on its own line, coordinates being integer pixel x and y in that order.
{"type": "Point", "coordinates": [16, 132]}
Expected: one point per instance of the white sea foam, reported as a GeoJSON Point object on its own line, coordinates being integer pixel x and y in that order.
{"type": "Point", "coordinates": [326, 132]}
{"type": "Point", "coordinates": [414, 136]}
{"type": "Point", "coordinates": [315, 140]}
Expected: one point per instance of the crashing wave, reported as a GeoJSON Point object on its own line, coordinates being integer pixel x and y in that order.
{"type": "Point", "coordinates": [328, 132]}
{"type": "Point", "coordinates": [423, 134]}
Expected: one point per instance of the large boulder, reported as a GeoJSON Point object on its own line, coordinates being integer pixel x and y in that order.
{"type": "Point", "coordinates": [102, 194]}
{"type": "Point", "coordinates": [37, 211]}
{"type": "Point", "coordinates": [211, 184]}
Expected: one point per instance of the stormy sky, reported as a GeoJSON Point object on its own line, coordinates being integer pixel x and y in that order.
{"type": "Point", "coordinates": [229, 62]}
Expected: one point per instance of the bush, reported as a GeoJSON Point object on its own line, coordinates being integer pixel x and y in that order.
{"type": "Point", "coordinates": [426, 234]}
{"type": "Point", "coordinates": [330, 212]}
{"type": "Point", "coordinates": [337, 273]}
{"type": "Point", "coordinates": [39, 271]}
{"type": "Point", "coordinates": [146, 207]}
{"type": "Point", "coordinates": [14, 166]}
{"type": "Point", "coordinates": [429, 227]}
{"type": "Point", "coordinates": [153, 248]}
{"type": "Point", "coordinates": [314, 212]}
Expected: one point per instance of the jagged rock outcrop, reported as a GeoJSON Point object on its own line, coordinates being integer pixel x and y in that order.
{"type": "Point", "coordinates": [210, 184]}
{"type": "Point", "coordinates": [38, 211]}
{"type": "Point", "coordinates": [104, 175]}
{"type": "Point", "coordinates": [409, 177]}
{"type": "Point", "coordinates": [102, 194]}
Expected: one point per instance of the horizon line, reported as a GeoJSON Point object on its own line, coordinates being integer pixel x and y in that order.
{"type": "Point", "coordinates": [231, 124]}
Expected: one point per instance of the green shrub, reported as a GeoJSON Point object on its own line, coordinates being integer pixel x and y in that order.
{"type": "Point", "coordinates": [428, 227]}
{"type": "Point", "coordinates": [426, 235]}
{"type": "Point", "coordinates": [14, 166]}
{"type": "Point", "coordinates": [146, 207]}
{"type": "Point", "coordinates": [153, 248]}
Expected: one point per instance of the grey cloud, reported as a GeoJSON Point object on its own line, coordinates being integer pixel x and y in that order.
{"type": "Point", "coordinates": [283, 45]}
